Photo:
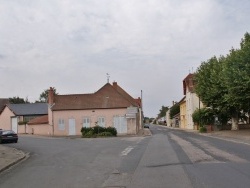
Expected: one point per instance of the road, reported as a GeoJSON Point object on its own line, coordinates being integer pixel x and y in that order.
{"type": "Point", "coordinates": [168, 158]}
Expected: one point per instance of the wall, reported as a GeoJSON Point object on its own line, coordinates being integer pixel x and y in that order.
{"type": "Point", "coordinates": [78, 115]}
{"type": "Point", "coordinates": [192, 103]}
{"type": "Point", "coordinates": [183, 117]}
{"type": "Point", "coordinates": [169, 123]}
{"type": "Point", "coordinates": [42, 129]}
{"type": "Point", "coordinates": [5, 119]}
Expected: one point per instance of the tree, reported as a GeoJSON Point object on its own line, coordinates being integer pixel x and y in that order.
{"type": "Point", "coordinates": [203, 116]}
{"type": "Point", "coordinates": [18, 100]}
{"type": "Point", "coordinates": [174, 110]}
{"type": "Point", "coordinates": [224, 84]}
{"type": "Point", "coordinates": [44, 95]}
{"type": "Point", "coordinates": [163, 111]}
{"type": "Point", "coordinates": [237, 79]}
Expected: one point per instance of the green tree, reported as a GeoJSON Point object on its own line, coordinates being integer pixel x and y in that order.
{"type": "Point", "coordinates": [163, 111]}
{"type": "Point", "coordinates": [174, 110]}
{"type": "Point", "coordinates": [44, 95]}
{"type": "Point", "coordinates": [224, 84]}
{"type": "Point", "coordinates": [18, 100]}
{"type": "Point", "coordinates": [237, 79]}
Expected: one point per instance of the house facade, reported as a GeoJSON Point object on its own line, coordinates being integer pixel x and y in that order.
{"type": "Point", "coordinates": [183, 110]}
{"type": "Point", "coordinates": [110, 106]}
{"type": "Point", "coordinates": [12, 114]}
{"type": "Point", "coordinates": [192, 100]}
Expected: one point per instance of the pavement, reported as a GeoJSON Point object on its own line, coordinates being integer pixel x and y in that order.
{"type": "Point", "coordinates": [10, 156]}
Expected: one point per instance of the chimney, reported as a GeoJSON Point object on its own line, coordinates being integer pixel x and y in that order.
{"type": "Point", "coordinates": [115, 85]}
{"type": "Point", "coordinates": [173, 103]}
{"type": "Point", "coordinates": [51, 96]}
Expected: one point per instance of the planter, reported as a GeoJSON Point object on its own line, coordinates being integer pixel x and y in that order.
{"type": "Point", "coordinates": [209, 128]}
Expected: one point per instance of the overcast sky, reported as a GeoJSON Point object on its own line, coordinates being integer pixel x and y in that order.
{"type": "Point", "coordinates": [148, 45]}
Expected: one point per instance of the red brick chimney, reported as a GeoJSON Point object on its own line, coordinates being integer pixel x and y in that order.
{"type": "Point", "coordinates": [115, 85]}
{"type": "Point", "coordinates": [51, 96]}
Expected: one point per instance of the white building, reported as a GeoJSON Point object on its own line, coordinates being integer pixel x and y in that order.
{"type": "Point", "coordinates": [192, 100]}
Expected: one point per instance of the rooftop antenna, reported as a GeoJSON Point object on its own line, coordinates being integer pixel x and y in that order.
{"type": "Point", "coordinates": [108, 76]}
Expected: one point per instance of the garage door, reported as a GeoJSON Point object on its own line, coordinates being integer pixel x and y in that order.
{"type": "Point", "coordinates": [120, 123]}
{"type": "Point", "coordinates": [14, 124]}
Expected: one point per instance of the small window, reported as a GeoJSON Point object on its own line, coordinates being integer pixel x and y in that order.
{"type": "Point", "coordinates": [101, 121]}
{"type": "Point", "coordinates": [61, 125]}
{"type": "Point", "coordinates": [86, 122]}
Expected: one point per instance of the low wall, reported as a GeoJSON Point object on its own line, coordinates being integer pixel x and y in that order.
{"type": "Point", "coordinates": [42, 129]}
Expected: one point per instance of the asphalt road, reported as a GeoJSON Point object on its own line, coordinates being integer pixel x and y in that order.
{"type": "Point", "coordinates": [168, 158]}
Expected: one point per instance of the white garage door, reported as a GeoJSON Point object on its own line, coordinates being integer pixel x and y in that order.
{"type": "Point", "coordinates": [72, 127]}
{"type": "Point", "coordinates": [120, 123]}
{"type": "Point", "coordinates": [14, 124]}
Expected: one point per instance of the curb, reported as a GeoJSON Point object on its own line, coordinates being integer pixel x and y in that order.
{"type": "Point", "coordinates": [15, 162]}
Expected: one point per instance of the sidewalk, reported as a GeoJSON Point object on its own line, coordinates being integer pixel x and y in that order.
{"type": "Point", "coordinates": [241, 136]}
{"type": "Point", "coordinates": [9, 156]}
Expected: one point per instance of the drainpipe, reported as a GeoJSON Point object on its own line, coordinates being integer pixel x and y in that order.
{"type": "Point", "coordinates": [53, 129]}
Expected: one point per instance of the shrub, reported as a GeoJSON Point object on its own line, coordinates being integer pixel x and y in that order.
{"type": "Point", "coordinates": [86, 129]}
{"type": "Point", "coordinates": [112, 130]}
{"type": "Point", "coordinates": [93, 132]}
{"type": "Point", "coordinates": [203, 116]}
{"type": "Point", "coordinates": [105, 134]}
{"type": "Point", "coordinates": [98, 129]}
{"type": "Point", "coordinates": [89, 134]}
{"type": "Point", "coordinates": [202, 130]}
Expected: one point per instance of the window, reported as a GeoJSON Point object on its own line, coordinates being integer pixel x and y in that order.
{"type": "Point", "coordinates": [61, 125]}
{"type": "Point", "coordinates": [101, 121]}
{"type": "Point", "coordinates": [86, 122]}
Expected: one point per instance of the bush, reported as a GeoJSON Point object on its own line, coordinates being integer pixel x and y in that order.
{"type": "Point", "coordinates": [203, 116]}
{"type": "Point", "coordinates": [112, 130]}
{"type": "Point", "coordinates": [203, 130]}
{"type": "Point", "coordinates": [85, 129]}
{"type": "Point", "coordinates": [98, 129]}
{"type": "Point", "coordinates": [92, 132]}
{"type": "Point", "coordinates": [89, 134]}
{"type": "Point", "coordinates": [105, 134]}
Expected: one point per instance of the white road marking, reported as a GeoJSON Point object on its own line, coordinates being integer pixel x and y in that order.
{"type": "Point", "coordinates": [126, 151]}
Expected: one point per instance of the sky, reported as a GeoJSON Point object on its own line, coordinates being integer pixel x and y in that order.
{"type": "Point", "coordinates": [144, 45]}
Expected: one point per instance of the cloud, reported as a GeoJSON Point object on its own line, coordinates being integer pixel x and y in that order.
{"type": "Point", "coordinates": [144, 45]}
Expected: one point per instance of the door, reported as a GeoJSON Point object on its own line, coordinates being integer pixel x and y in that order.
{"type": "Point", "coordinates": [14, 124]}
{"type": "Point", "coordinates": [72, 127]}
{"type": "Point", "coordinates": [120, 123]}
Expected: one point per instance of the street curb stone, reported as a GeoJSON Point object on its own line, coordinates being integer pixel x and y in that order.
{"type": "Point", "coordinates": [9, 157]}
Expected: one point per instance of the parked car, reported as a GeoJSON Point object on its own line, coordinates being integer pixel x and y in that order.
{"type": "Point", "coordinates": [146, 126]}
{"type": "Point", "coordinates": [8, 136]}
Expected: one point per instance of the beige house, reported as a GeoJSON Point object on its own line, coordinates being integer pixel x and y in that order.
{"type": "Point", "coordinates": [192, 100]}
{"type": "Point", "coordinates": [109, 106]}
{"type": "Point", "coordinates": [183, 110]}
{"type": "Point", "coordinates": [13, 114]}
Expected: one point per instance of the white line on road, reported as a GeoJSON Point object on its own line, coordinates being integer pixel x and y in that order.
{"type": "Point", "coordinates": [126, 151]}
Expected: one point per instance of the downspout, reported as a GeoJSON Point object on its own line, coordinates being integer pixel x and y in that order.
{"type": "Point", "coordinates": [52, 119]}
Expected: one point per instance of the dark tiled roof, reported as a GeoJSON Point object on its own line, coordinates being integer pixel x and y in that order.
{"type": "Point", "coordinates": [39, 120]}
{"type": "Point", "coordinates": [29, 109]}
{"type": "Point", "coordinates": [105, 98]}
{"type": "Point", "coordinates": [3, 102]}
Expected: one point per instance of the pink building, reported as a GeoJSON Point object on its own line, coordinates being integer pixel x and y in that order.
{"type": "Point", "coordinates": [109, 106]}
